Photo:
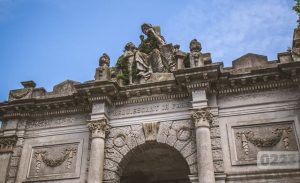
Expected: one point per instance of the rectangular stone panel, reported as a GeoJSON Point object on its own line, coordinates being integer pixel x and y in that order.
{"type": "Point", "coordinates": [247, 139]}
{"type": "Point", "coordinates": [52, 160]}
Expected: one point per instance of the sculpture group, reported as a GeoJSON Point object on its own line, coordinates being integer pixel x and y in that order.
{"type": "Point", "coordinates": [153, 60]}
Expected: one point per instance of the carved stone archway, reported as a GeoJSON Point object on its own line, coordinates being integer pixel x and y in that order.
{"type": "Point", "coordinates": [139, 140]}
{"type": "Point", "coordinates": [154, 162]}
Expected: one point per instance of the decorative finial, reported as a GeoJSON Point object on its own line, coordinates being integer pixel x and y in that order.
{"type": "Point", "coordinates": [296, 8]}
{"type": "Point", "coordinates": [104, 60]}
{"type": "Point", "coordinates": [195, 45]}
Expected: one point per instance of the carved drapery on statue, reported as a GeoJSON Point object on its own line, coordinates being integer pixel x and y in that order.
{"type": "Point", "coordinates": [153, 55]}
{"type": "Point", "coordinates": [98, 128]}
{"type": "Point", "coordinates": [202, 117]}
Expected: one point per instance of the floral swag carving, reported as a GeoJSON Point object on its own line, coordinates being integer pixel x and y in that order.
{"type": "Point", "coordinates": [249, 136]}
{"type": "Point", "coordinates": [41, 156]}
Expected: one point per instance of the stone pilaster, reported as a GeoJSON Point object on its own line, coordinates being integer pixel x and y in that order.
{"type": "Point", "coordinates": [7, 145]}
{"type": "Point", "coordinates": [202, 118]}
{"type": "Point", "coordinates": [98, 129]}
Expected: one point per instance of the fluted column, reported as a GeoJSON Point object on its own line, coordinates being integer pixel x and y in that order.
{"type": "Point", "coordinates": [98, 128]}
{"type": "Point", "coordinates": [202, 118]}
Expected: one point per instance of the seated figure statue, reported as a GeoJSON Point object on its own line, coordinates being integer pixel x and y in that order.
{"type": "Point", "coordinates": [148, 57]}
{"type": "Point", "coordinates": [152, 60]}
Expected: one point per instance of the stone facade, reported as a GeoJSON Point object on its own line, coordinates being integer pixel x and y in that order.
{"type": "Point", "coordinates": [159, 115]}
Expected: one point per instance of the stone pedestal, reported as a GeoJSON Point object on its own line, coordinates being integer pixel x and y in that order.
{"type": "Point", "coordinates": [98, 129]}
{"type": "Point", "coordinates": [202, 117]}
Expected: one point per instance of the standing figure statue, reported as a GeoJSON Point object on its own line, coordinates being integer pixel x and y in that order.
{"type": "Point", "coordinates": [129, 53]}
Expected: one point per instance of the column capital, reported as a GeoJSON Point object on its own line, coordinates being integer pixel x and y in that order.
{"type": "Point", "coordinates": [7, 143]}
{"type": "Point", "coordinates": [202, 117]}
{"type": "Point", "coordinates": [98, 127]}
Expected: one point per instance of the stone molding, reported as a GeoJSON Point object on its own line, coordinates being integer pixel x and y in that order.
{"type": "Point", "coordinates": [202, 117]}
{"type": "Point", "coordinates": [98, 128]}
{"type": "Point", "coordinates": [7, 143]}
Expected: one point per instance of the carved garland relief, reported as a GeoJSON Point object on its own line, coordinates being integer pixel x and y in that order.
{"type": "Point", "coordinates": [281, 134]}
{"type": "Point", "coordinates": [42, 157]}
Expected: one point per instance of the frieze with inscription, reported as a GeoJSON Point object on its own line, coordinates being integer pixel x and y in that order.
{"type": "Point", "coordinates": [120, 112]}
{"type": "Point", "coordinates": [56, 122]}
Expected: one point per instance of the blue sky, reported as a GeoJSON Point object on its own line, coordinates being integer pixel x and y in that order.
{"type": "Point", "coordinates": [49, 41]}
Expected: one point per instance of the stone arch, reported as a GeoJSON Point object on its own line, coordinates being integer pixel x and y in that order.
{"type": "Point", "coordinates": [122, 142]}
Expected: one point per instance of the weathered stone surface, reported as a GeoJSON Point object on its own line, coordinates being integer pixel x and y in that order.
{"type": "Point", "coordinates": [111, 165]}
{"type": "Point", "coordinates": [164, 131]}
{"type": "Point", "coordinates": [14, 161]}
{"type": "Point", "coordinates": [188, 149]}
{"type": "Point", "coordinates": [218, 166]}
{"type": "Point", "coordinates": [4, 159]}
{"type": "Point", "coordinates": [110, 175]}
{"type": "Point", "coordinates": [215, 132]}
{"type": "Point", "coordinates": [215, 143]}
{"type": "Point", "coordinates": [12, 172]}
{"type": "Point", "coordinates": [217, 154]}
{"type": "Point", "coordinates": [250, 60]}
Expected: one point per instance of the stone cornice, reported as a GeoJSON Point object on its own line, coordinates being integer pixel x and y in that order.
{"type": "Point", "coordinates": [213, 78]}
{"type": "Point", "coordinates": [44, 107]}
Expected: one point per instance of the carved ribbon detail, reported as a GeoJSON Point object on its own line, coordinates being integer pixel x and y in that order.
{"type": "Point", "coordinates": [41, 156]}
{"type": "Point", "coordinates": [249, 136]}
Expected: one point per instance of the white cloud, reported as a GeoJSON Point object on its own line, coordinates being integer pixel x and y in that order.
{"type": "Point", "coordinates": [229, 29]}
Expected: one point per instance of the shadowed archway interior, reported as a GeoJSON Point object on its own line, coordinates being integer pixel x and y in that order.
{"type": "Point", "coordinates": [154, 163]}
